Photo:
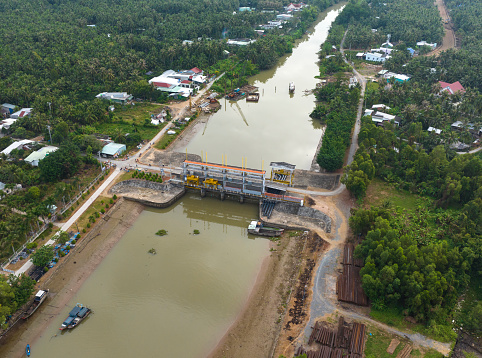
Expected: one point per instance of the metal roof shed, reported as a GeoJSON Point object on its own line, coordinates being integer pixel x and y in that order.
{"type": "Point", "coordinates": [114, 149]}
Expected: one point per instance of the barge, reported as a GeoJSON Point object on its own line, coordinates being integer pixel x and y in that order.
{"type": "Point", "coordinates": [257, 228]}
{"type": "Point", "coordinates": [253, 97]}
{"type": "Point", "coordinates": [78, 313]}
{"type": "Point", "coordinates": [40, 297]}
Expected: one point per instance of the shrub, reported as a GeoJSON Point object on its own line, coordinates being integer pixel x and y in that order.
{"type": "Point", "coordinates": [32, 245]}
{"type": "Point", "coordinates": [78, 236]}
{"type": "Point", "coordinates": [102, 202]}
{"type": "Point", "coordinates": [114, 197]}
{"type": "Point", "coordinates": [107, 206]}
{"type": "Point", "coordinates": [111, 201]}
{"type": "Point", "coordinates": [83, 230]}
{"type": "Point", "coordinates": [161, 232]}
{"type": "Point", "coordinates": [196, 232]}
{"type": "Point", "coordinates": [88, 192]}
{"type": "Point", "coordinates": [88, 225]}
{"type": "Point", "coordinates": [102, 211]}
{"type": "Point", "coordinates": [61, 253]}
{"type": "Point", "coordinates": [73, 242]}
{"type": "Point", "coordinates": [97, 214]}
{"type": "Point", "coordinates": [51, 225]}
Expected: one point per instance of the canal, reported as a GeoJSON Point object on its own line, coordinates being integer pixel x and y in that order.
{"type": "Point", "coordinates": [278, 127]}
{"type": "Point", "coordinates": [176, 303]}
{"type": "Point", "coordinates": [181, 301]}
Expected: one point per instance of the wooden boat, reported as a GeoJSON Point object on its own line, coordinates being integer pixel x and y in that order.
{"type": "Point", "coordinates": [292, 87]}
{"type": "Point", "coordinates": [257, 228]}
{"type": "Point", "coordinates": [76, 315]}
{"type": "Point", "coordinates": [27, 350]}
{"type": "Point", "coordinates": [38, 300]}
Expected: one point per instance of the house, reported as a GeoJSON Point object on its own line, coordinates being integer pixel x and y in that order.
{"type": "Point", "coordinates": [452, 88]}
{"type": "Point", "coordinates": [412, 51]}
{"type": "Point", "coordinates": [376, 57]}
{"type": "Point", "coordinates": [425, 43]}
{"type": "Point", "coordinates": [16, 145]}
{"type": "Point", "coordinates": [9, 107]}
{"type": "Point", "coordinates": [295, 7]}
{"type": "Point", "coordinates": [35, 157]}
{"type": "Point", "coordinates": [380, 106]}
{"type": "Point", "coordinates": [382, 72]}
{"type": "Point", "coordinates": [360, 55]}
{"type": "Point", "coordinates": [196, 71]}
{"type": "Point", "coordinates": [240, 42]}
{"type": "Point", "coordinates": [459, 125]}
{"type": "Point", "coordinates": [6, 123]}
{"type": "Point", "coordinates": [353, 82]}
{"type": "Point", "coordinates": [116, 97]}
{"type": "Point", "coordinates": [244, 8]}
{"type": "Point", "coordinates": [24, 112]}
{"type": "Point", "coordinates": [113, 150]}
{"type": "Point", "coordinates": [284, 17]}
{"type": "Point", "coordinates": [187, 42]}
{"type": "Point", "coordinates": [396, 76]}
{"type": "Point", "coordinates": [379, 117]}
{"type": "Point", "coordinates": [434, 130]}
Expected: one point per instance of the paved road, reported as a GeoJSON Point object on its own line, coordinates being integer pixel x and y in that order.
{"type": "Point", "coordinates": [73, 219]}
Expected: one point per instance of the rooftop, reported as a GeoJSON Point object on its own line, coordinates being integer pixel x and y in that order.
{"type": "Point", "coordinates": [113, 148]}
{"type": "Point", "coordinates": [40, 154]}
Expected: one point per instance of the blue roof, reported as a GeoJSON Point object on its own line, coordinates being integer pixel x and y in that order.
{"type": "Point", "coordinates": [412, 51]}
{"type": "Point", "coordinates": [8, 105]}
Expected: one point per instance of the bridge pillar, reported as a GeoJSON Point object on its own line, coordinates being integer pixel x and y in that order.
{"type": "Point", "coordinates": [203, 192]}
{"type": "Point", "coordinates": [223, 195]}
{"type": "Point", "coordinates": [241, 199]}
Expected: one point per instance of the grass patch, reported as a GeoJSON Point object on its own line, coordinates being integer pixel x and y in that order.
{"type": "Point", "coordinates": [393, 317]}
{"type": "Point", "coordinates": [94, 208]}
{"type": "Point", "coordinates": [379, 192]}
{"type": "Point", "coordinates": [146, 132]}
{"type": "Point", "coordinates": [378, 342]}
{"type": "Point", "coordinates": [137, 114]}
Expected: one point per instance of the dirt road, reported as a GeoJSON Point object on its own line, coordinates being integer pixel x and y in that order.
{"type": "Point", "coordinates": [448, 41]}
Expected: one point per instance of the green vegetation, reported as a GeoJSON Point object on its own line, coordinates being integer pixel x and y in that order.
{"type": "Point", "coordinates": [338, 111]}
{"type": "Point", "coordinates": [378, 342]}
{"type": "Point", "coordinates": [161, 232]}
{"type": "Point", "coordinates": [43, 256]}
{"type": "Point", "coordinates": [196, 232]}
{"type": "Point", "coordinates": [14, 292]}
{"type": "Point", "coordinates": [152, 251]}
{"type": "Point", "coordinates": [155, 177]}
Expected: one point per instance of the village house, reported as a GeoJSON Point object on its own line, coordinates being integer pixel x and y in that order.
{"type": "Point", "coordinates": [398, 78]}
{"type": "Point", "coordinates": [24, 112]}
{"type": "Point", "coordinates": [113, 150]}
{"type": "Point", "coordinates": [376, 57]}
{"type": "Point", "coordinates": [434, 130]}
{"type": "Point", "coordinates": [452, 88]}
{"type": "Point", "coordinates": [240, 42]}
{"type": "Point", "coordinates": [459, 126]}
{"type": "Point", "coordinates": [116, 97]}
{"type": "Point", "coordinates": [295, 7]}
{"type": "Point", "coordinates": [379, 118]}
{"type": "Point", "coordinates": [425, 43]}
{"type": "Point", "coordinates": [21, 144]}
{"type": "Point", "coordinates": [35, 157]}
{"type": "Point", "coordinates": [9, 107]}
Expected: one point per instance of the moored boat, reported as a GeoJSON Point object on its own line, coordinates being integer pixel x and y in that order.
{"type": "Point", "coordinates": [292, 87]}
{"type": "Point", "coordinates": [78, 313]}
{"type": "Point", "coordinates": [27, 350]}
{"type": "Point", "coordinates": [257, 228]}
{"type": "Point", "coordinates": [40, 296]}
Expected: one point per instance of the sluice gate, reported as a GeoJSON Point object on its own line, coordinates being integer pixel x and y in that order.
{"type": "Point", "coordinates": [232, 180]}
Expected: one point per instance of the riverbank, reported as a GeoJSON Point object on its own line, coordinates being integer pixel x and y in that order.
{"type": "Point", "coordinates": [255, 331]}
{"type": "Point", "coordinates": [66, 280]}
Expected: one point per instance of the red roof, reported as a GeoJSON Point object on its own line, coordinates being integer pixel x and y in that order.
{"type": "Point", "coordinates": [186, 81]}
{"type": "Point", "coordinates": [21, 114]}
{"type": "Point", "coordinates": [196, 70]}
{"type": "Point", "coordinates": [161, 84]}
{"type": "Point", "coordinates": [452, 88]}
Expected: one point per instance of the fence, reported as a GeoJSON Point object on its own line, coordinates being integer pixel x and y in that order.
{"type": "Point", "coordinates": [46, 223]}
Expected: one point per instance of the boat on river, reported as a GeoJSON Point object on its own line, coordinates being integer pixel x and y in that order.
{"type": "Point", "coordinates": [78, 313]}
{"type": "Point", "coordinates": [40, 297]}
{"type": "Point", "coordinates": [257, 228]}
{"type": "Point", "coordinates": [292, 87]}
{"type": "Point", "coordinates": [27, 350]}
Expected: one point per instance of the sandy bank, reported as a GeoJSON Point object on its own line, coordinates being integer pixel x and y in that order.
{"type": "Point", "coordinates": [70, 275]}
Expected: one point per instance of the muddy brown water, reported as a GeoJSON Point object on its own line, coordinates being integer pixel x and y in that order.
{"type": "Point", "coordinates": [182, 300]}
{"type": "Point", "coordinates": [278, 127]}
{"type": "Point", "coordinates": [178, 302]}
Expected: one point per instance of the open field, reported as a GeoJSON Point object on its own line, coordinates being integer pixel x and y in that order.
{"type": "Point", "coordinates": [379, 192]}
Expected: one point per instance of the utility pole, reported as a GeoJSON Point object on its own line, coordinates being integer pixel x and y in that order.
{"type": "Point", "coordinates": [50, 134]}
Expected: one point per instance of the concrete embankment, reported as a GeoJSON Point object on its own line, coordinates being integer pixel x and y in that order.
{"type": "Point", "coordinates": [158, 195]}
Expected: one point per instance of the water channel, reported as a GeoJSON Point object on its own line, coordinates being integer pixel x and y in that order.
{"type": "Point", "coordinates": [181, 301]}
{"type": "Point", "coordinates": [278, 127]}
